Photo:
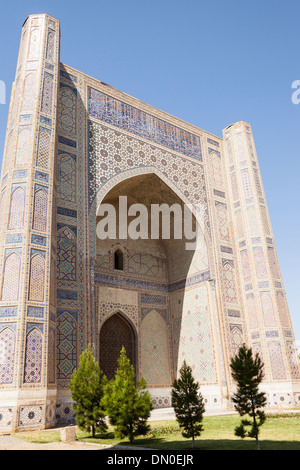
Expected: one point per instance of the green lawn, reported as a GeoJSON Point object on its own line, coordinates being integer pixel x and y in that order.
{"type": "Point", "coordinates": [276, 434]}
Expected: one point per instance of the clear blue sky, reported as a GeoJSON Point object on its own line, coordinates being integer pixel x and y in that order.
{"type": "Point", "coordinates": [210, 63]}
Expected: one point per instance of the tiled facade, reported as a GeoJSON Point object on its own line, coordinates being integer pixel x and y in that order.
{"type": "Point", "coordinates": [74, 142]}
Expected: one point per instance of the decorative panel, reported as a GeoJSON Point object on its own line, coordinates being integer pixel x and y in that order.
{"type": "Point", "coordinates": [7, 355]}
{"type": "Point", "coordinates": [66, 345]}
{"type": "Point", "coordinates": [33, 356]}
{"type": "Point", "coordinates": [268, 309]}
{"type": "Point", "coordinates": [221, 211]}
{"type": "Point", "coordinates": [23, 147]}
{"type": "Point", "coordinates": [66, 187]}
{"type": "Point", "coordinates": [236, 337]}
{"type": "Point", "coordinates": [66, 254]}
{"type": "Point", "coordinates": [34, 45]}
{"type": "Point", "coordinates": [37, 278]}
{"type": "Point", "coordinates": [155, 350]}
{"type": "Point", "coordinates": [246, 183]}
{"type": "Point", "coordinates": [11, 278]}
{"type": "Point", "coordinates": [252, 311]}
{"type": "Point", "coordinates": [229, 281]}
{"type": "Point", "coordinates": [273, 263]}
{"type": "Point", "coordinates": [67, 108]}
{"type": "Point", "coordinates": [51, 357]}
{"type": "Point", "coordinates": [40, 211]}
{"type": "Point", "coordinates": [47, 94]}
{"type": "Point", "coordinates": [245, 266]}
{"type": "Point", "coordinates": [117, 113]}
{"type": "Point", "coordinates": [283, 310]}
{"type": "Point", "coordinates": [260, 265]}
{"type": "Point", "coordinates": [43, 148]}
{"type": "Point", "coordinates": [17, 207]}
{"type": "Point", "coordinates": [29, 91]}
{"type": "Point", "coordinates": [276, 361]}
{"type": "Point", "coordinates": [50, 45]}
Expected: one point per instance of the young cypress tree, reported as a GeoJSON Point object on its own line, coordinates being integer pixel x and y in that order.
{"type": "Point", "coordinates": [247, 371]}
{"type": "Point", "coordinates": [87, 385]}
{"type": "Point", "coordinates": [188, 403]}
{"type": "Point", "coordinates": [128, 405]}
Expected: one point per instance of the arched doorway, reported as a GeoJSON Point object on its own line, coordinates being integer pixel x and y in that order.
{"type": "Point", "coordinates": [115, 333]}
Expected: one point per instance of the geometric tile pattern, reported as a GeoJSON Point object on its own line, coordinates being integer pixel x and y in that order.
{"type": "Point", "coordinates": [245, 266]}
{"type": "Point", "coordinates": [66, 178]}
{"type": "Point", "coordinates": [66, 345]}
{"type": "Point", "coordinates": [33, 357]}
{"type": "Point", "coordinates": [260, 264]}
{"type": "Point", "coordinates": [37, 278]}
{"type": "Point", "coordinates": [40, 211]}
{"type": "Point", "coordinates": [221, 212]}
{"type": "Point", "coordinates": [273, 263]}
{"type": "Point", "coordinates": [11, 278]}
{"type": "Point", "coordinates": [7, 355]}
{"type": "Point", "coordinates": [122, 115]}
{"type": "Point", "coordinates": [128, 153]}
{"type": "Point", "coordinates": [29, 89]}
{"type": "Point", "coordinates": [47, 95]}
{"type": "Point", "coordinates": [252, 311]}
{"type": "Point", "coordinates": [67, 108]}
{"type": "Point", "coordinates": [66, 254]}
{"type": "Point", "coordinates": [22, 154]}
{"type": "Point", "coordinates": [292, 353]}
{"type": "Point", "coordinates": [276, 361]}
{"type": "Point", "coordinates": [64, 413]}
{"type": "Point", "coordinates": [236, 335]}
{"type": "Point", "coordinates": [103, 138]}
{"type": "Point", "coordinates": [17, 207]}
{"type": "Point", "coordinates": [195, 337]}
{"type": "Point", "coordinates": [43, 148]}
{"type": "Point", "coordinates": [31, 415]}
{"type": "Point", "coordinates": [155, 347]}
{"type": "Point", "coordinates": [268, 309]}
{"type": "Point", "coordinates": [229, 282]}
{"type": "Point", "coordinates": [6, 415]}
{"type": "Point", "coordinates": [282, 309]}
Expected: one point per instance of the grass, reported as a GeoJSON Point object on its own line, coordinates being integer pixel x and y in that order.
{"type": "Point", "coordinates": [277, 433]}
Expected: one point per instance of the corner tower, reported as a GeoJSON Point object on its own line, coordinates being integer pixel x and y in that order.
{"type": "Point", "coordinates": [270, 331]}
{"type": "Point", "coordinates": [27, 250]}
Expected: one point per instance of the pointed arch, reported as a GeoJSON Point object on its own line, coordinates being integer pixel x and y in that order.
{"type": "Point", "coordinates": [148, 170]}
{"type": "Point", "coordinates": [7, 355]}
{"type": "Point", "coordinates": [29, 90]}
{"type": "Point", "coordinates": [155, 350]}
{"type": "Point", "coordinates": [43, 148]}
{"type": "Point", "coordinates": [40, 211]}
{"type": "Point", "coordinates": [118, 327]}
{"type": "Point", "coordinates": [11, 278]}
{"type": "Point", "coordinates": [37, 278]}
{"type": "Point", "coordinates": [33, 356]}
{"type": "Point", "coordinates": [23, 146]}
{"type": "Point", "coordinates": [229, 281]}
{"type": "Point", "coordinates": [17, 209]}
